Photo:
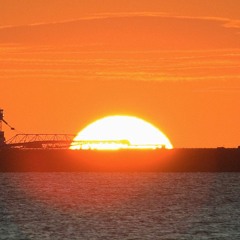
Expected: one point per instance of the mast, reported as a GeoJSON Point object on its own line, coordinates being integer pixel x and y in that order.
{"type": "Point", "coordinates": [2, 138]}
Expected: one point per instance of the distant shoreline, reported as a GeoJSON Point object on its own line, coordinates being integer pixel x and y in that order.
{"type": "Point", "coordinates": [159, 160]}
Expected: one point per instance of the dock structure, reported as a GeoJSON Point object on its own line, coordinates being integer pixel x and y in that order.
{"type": "Point", "coordinates": [68, 141]}
{"type": "Point", "coordinates": [33, 141]}
{"type": "Point", "coordinates": [56, 141]}
{"type": "Point", "coordinates": [63, 141]}
{"type": "Point", "coordinates": [40, 141]}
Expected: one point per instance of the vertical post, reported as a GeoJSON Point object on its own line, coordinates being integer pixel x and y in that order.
{"type": "Point", "coordinates": [2, 138]}
{"type": "Point", "coordinates": [1, 119]}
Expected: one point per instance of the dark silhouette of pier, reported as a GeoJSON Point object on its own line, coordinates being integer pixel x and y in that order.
{"type": "Point", "coordinates": [133, 160]}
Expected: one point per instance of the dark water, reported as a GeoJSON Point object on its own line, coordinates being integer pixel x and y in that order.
{"type": "Point", "coordinates": [119, 206]}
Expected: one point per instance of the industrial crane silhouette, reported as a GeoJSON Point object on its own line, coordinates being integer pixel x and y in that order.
{"type": "Point", "coordinates": [2, 120]}
{"type": "Point", "coordinates": [33, 140]}
{"type": "Point", "coordinates": [51, 141]}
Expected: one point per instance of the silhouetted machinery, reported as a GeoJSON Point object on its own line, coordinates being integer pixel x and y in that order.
{"type": "Point", "coordinates": [35, 141]}
{"type": "Point", "coordinates": [2, 137]}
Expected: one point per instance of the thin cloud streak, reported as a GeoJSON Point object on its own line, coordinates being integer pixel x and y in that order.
{"type": "Point", "coordinates": [162, 66]}
{"type": "Point", "coordinates": [226, 22]}
{"type": "Point", "coordinates": [219, 90]}
{"type": "Point", "coordinates": [131, 33]}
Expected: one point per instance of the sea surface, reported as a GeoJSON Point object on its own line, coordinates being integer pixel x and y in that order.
{"type": "Point", "coordinates": [119, 206]}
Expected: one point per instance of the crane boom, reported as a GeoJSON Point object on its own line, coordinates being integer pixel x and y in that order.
{"type": "Point", "coordinates": [2, 120]}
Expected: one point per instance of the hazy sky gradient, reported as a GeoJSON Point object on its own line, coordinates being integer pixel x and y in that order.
{"type": "Point", "coordinates": [175, 63]}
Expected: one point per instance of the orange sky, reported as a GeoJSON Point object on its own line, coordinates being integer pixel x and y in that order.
{"type": "Point", "coordinates": [175, 63]}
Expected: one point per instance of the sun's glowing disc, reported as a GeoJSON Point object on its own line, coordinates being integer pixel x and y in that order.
{"type": "Point", "coordinates": [120, 132]}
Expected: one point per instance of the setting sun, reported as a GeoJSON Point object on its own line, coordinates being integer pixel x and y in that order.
{"type": "Point", "coordinates": [120, 132]}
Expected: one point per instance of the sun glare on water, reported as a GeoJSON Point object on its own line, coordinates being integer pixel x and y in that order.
{"type": "Point", "coordinates": [120, 132]}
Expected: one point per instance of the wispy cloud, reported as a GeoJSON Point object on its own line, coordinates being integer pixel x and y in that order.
{"type": "Point", "coordinates": [115, 66]}
{"type": "Point", "coordinates": [226, 22]}
{"type": "Point", "coordinates": [129, 32]}
{"type": "Point", "coordinates": [219, 90]}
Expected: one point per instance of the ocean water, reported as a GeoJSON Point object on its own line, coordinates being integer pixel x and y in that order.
{"type": "Point", "coordinates": [119, 206]}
